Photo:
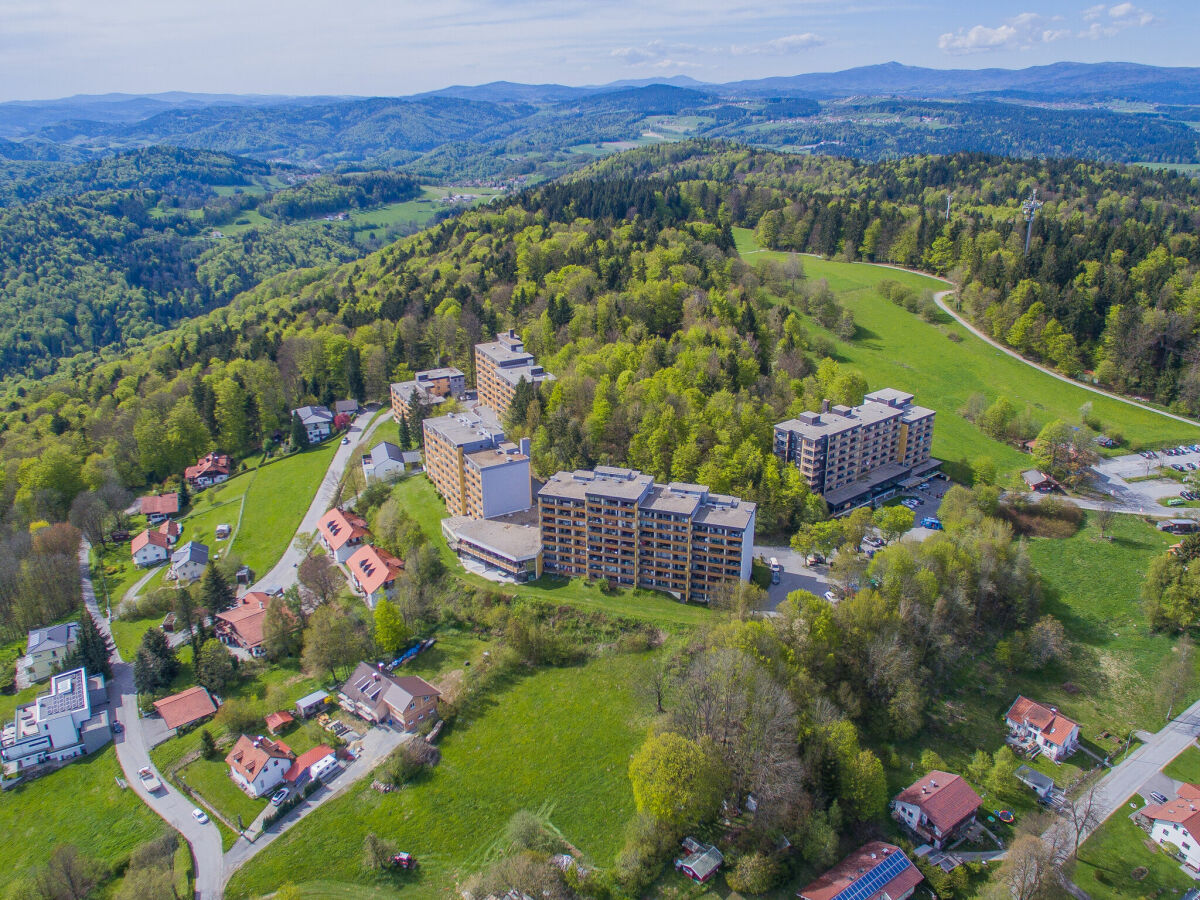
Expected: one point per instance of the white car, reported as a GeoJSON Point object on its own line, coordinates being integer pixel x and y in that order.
{"type": "Point", "coordinates": [200, 816]}
{"type": "Point", "coordinates": [831, 596]}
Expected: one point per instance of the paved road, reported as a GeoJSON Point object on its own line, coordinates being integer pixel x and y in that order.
{"type": "Point", "coordinates": [284, 572]}
{"type": "Point", "coordinates": [170, 804]}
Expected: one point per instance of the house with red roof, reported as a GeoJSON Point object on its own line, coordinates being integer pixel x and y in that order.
{"type": "Point", "coordinates": [1177, 823]}
{"type": "Point", "coordinates": [257, 764]}
{"type": "Point", "coordinates": [374, 572]}
{"type": "Point", "coordinates": [313, 764]}
{"type": "Point", "coordinates": [277, 721]}
{"type": "Point", "coordinates": [242, 626]}
{"type": "Point", "coordinates": [159, 507]}
{"type": "Point", "coordinates": [342, 532]}
{"type": "Point", "coordinates": [1043, 729]}
{"type": "Point", "coordinates": [186, 707]}
{"type": "Point", "coordinates": [938, 808]}
{"type": "Point", "coordinates": [150, 548]}
{"type": "Point", "coordinates": [875, 871]}
{"type": "Point", "coordinates": [171, 530]}
{"type": "Point", "coordinates": [212, 468]}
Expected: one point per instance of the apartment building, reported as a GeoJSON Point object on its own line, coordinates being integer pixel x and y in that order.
{"type": "Point", "coordinates": [618, 524]}
{"type": "Point", "coordinates": [432, 387]}
{"type": "Point", "coordinates": [65, 722]}
{"type": "Point", "coordinates": [478, 473]}
{"type": "Point", "coordinates": [852, 456]}
{"type": "Point", "coordinates": [500, 366]}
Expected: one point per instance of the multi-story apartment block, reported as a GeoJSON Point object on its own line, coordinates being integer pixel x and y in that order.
{"type": "Point", "coordinates": [855, 455]}
{"type": "Point", "coordinates": [478, 473]}
{"type": "Point", "coordinates": [500, 366]}
{"type": "Point", "coordinates": [432, 387]}
{"type": "Point", "coordinates": [617, 524]}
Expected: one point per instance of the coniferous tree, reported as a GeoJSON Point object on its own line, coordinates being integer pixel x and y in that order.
{"type": "Point", "coordinates": [405, 434]}
{"type": "Point", "coordinates": [91, 651]}
{"type": "Point", "coordinates": [215, 593]}
{"type": "Point", "coordinates": [299, 434]}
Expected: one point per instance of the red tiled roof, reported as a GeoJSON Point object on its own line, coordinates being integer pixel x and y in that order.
{"type": "Point", "coordinates": [1054, 726]}
{"type": "Point", "coordinates": [945, 799]}
{"type": "Point", "coordinates": [211, 464]}
{"type": "Point", "coordinates": [306, 760]}
{"type": "Point", "coordinates": [1185, 811]}
{"type": "Point", "coordinates": [160, 504]}
{"type": "Point", "coordinates": [249, 755]}
{"type": "Point", "coordinates": [339, 527]}
{"type": "Point", "coordinates": [246, 619]}
{"type": "Point", "coordinates": [1189, 791]}
{"type": "Point", "coordinates": [373, 567]}
{"type": "Point", "coordinates": [170, 528]}
{"type": "Point", "coordinates": [185, 707]}
{"type": "Point", "coordinates": [854, 867]}
{"type": "Point", "coordinates": [277, 720]}
{"type": "Point", "coordinates": [156, 537]}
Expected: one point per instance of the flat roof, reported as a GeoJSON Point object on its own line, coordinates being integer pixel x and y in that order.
{"type": "Point", "coordinates": [890, 396]}
{"type": "Point", "coordinates": [514, 374]}
{"type": "Point", "coordinates": [444, 372]}
{"type": "Point", "coordinates": [67, 694]}
{"type": "Point", "coordinates": [515, 542]}
{"type": "Point", "coordinates": [914, 413]}
{"type": "Point", "coordinates": [501, 353]}
{"type": "Point", "coordinates": [604, 481]}
{"type": "Point", "coordinates": [490, 459]}
{"type": "Point", "coordinates": [875, 477]}
{"type": "Point", "coordinates": [664, 500]}
{"type": "Point", "coordinates": [467, 427]}
{"type": "Point", "coordinates": [736, 515]}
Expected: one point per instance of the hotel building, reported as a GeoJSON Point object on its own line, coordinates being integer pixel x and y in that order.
{"type": "Point", "coordinates": [617, 524]}
{"type": "Point", "coordinates": [500, 366]}
{"type": "Point", "coordinates": [852, 456]}
{"type": "Point", "coordinates": [478, 473]}
{"type": "Point", "coordinates": [432, 387]}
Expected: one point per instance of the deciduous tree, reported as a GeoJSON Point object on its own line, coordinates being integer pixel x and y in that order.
{"type": "Point", "coordinates": [674, 780]}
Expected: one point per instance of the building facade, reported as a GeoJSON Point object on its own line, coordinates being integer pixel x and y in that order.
{"type": "Point", "coordinates": [510, 548]}
{"type": "Point", "coordinates": [378, 696]}
{"type": "Point", "coordinates": [617, 524]}
{"type": "Point", "coordinates": [61, 724]}
{"type": "Point", "coordinates": [46, 648]}
{"type": "Point", "coordinates": [852, 456]}
{"type": "Point", "coordinates": [478, 473]}
{"type": "Point", "coordinates": [432, 387]}
{"type": "Point", "coordinates": [938, 808]}
{"type": "Point", "coordinates": [501, 365]}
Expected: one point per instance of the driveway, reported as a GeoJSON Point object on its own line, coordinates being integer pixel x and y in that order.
{"type": "Point", "coordinates": [132, 753]}
{"type": "Point", "coordinates": [795, 576]}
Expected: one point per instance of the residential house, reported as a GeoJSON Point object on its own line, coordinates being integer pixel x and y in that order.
{"type": "Point", "coordinates": [46, 648]}
{"type": "Point", "coordinates": [378, 696]}
{"type": "Point", "coordinates": [311, 765]}
{"type": "Point", "coordinates": [1177, 823]}
{"type": "Point", "coordinates": [373, 573]}
{"type": "Point", "coordinates": [317, 422]}
{"type": "Point", "coordinates": [1038, 481]}
{"type": "Point", "coordinates": [257, 764]}
{"type": "Point", "coordinates": [387, 461]}
{"type": "Point", "coordinates": [159, 507]}
{"type": "Point", "coordinates": [212, 468]}
{"type": "Point", "coordinates": [61, 724]}
{"type": "Point", "coordinates": [150, 548]}
{"type": "Point", "coordinates": [938, 808]}
{"type": "Point", "coordinates": [186, 708]}
{"type": "Point", "coordinates": [278, 720]}
{"type": "Point", "coordinates": [242, 626]}
{"type": "Point", "coordinates": [1034, 726]}
{"type": "Point", "coordinates": [342, 532]}
{"type": "Point", "coordinates": [346, 408]}
{"type": "Point", "coordinates": [171, 530]}
{"type": "Point", "coordinates": [875, 871]}
{"type": "Point", "coordinates": [189, 561]}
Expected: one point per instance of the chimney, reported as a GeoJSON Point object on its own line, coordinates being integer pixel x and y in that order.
{"type": "Point", "coordinates": [525, 446]}
{"type": "Point", "coordinates": [824, 406]}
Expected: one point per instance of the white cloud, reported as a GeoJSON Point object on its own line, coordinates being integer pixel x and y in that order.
{"type": "Point", "coordinates": [780, 46]}
{"type": "Point", "coordinates": [1109, 21]}
{"type": "Point", "coordinates": [1018, 33]}
{"type": "Point", "coordinates": [659, 54]}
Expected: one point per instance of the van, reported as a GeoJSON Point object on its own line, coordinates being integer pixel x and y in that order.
{"type": "Point", "coordinates": [776, 568]}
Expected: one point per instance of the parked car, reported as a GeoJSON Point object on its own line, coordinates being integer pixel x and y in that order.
{"type": "Point", "coordinates": [345, 440]}
{"type": "Point", "coordinates": [831, 596]}
{"type": "Point", "coordinates": [814, 559]}
{"type": "Point", "coordinates": [1175, 501]}
{"type": "Point", "coordinates": [1157, 797]}
{"type": "Point", "coordinates": [117, 727]}
{"type": "Point", "coordinates": [200, 816]}
{"type": "Point", "coordinates": [279, 796]}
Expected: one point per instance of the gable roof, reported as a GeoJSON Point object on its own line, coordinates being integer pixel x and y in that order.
{"type": "Point", "coordinates": [249, 755]}
{"type": "Point", "coordinates": [209, 464]}
{"type": "Point", "coordinates": [373, 567]}
{"type": "Point", "coordinates": [1184, 811]}
{"type": "Point", "coordinates": [345, 406]}
{"type": "Point", "coordinates": [185, 707]}
{"type": "Point", "coordinates": [147, 537]}
{"type": "Point", "coordinates": [945, 799]}
{"type": "Point", "coordinates": [277, 720]}
{"type": "Point", "coordinates": [160, 504]}
{"type": "Point", "coordinates": [247, 617]}
{"type": "Point", "coordinates": [53, 637]}
{"type": "Point", "coordinates": [386, 450]}
{"type": "Point", "coordinates": [313, 415]}
{"type": "Point", "coordinates": [1054, 726]}
{"type": "Point", "coordinates": [306, 760]}
{"type": "Point", "coordinates": [339, 526]}
{"type": "Point", "coordinates": [872, 872]}
{"type": "Point", "coordinates": [170, 528]}
{"type": "Point", "coordinates": [192, 551]}
{"type": "Point", "coordinates": [375, 689]}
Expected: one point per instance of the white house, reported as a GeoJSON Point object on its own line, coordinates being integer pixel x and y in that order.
{"type": "Point", "coordinates": [342, 532]}
{"type": "Point", "coordinates": [317, 422]}
{"type": "Point", "coordinates": [150, 548]}
{"type": "Point", "coordinates": [189, 561]}
{"type": "Point", "coordinates": [257, 764]}
{"type": "Point", "coordinates": [1032, 725]}
{"type": "Point", "coordinates": [60, 724]}
{"type": "Point", "coordinates": [1178, 823]}
{"type": "Point", "coordinates": [937, 808]}
{"type": "Point", "coordinates": [387, 461]}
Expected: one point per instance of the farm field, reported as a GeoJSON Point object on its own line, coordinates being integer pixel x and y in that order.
{"type": "Point", "coordinates": [421, 501]}
{"type": "Point", "coordinates": [896, 348]}
{"type": "Point", "coordinates": [555, 762]}
{"type": "Point", "coordinates": [79, 804]}
{"type": "Point", "coordinates": [1109, 859]}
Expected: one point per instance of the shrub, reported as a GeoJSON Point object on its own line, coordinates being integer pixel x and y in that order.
{"type": "Point", "coordinates": [525, 831]}
{"type": "Point", "coordinates": [408, 761]}
{"type": "Point", "coordinates": [377, 852]}
{"type": "Point", "coordinates": [755, 873]}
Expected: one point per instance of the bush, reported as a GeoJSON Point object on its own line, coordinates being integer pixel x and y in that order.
{"type": "Point", "coordinates": [525, 831]}
{"type": "Point", "coordinates": [755, 873]}
{"type": "Point", "coordinates": [648, 843]}
{"type": "Point", "coordinates": [408, 761]}
{"type": "Point", "coordinates": [377, 852]}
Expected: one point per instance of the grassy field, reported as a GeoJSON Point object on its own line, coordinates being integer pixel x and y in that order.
{"type": "Point", "coordinates": [896, 348]}
{"type": "Point", "coordinates": [537, 745]}
{"type": "Point", "coordinates": [1108, 859]}
{"type": "Point", "coordinates": [79, 804]}
{"type": "Point", "coordinates": [1185, 767]}
{"type": "Point", "coordinates": [421, 501]}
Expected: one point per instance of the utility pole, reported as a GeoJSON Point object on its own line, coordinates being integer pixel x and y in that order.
{"type": "Point", "coordinates": [949, 198]}
{"type": "Point", "coordinates": [1029, 209]}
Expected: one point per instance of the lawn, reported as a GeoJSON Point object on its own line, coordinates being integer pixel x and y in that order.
{"type": "Point", "coordinates": [1185, 767]}
{"type": "Point", "coordinates": [1109, 857]}
{"type": "Point", "coordinates": [537, 745]}
{"type": "Point", "coordinates": [420, 499]}
{"type": "Point", "coordinates": [896, 348]}
{"type": "Point", "coordinates": [79, 804]}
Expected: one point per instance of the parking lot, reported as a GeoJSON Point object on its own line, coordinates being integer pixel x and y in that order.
{"type": "Point", "coordinates": [929, 502]}
{"type": "Point", "coordinates": [1112, 477]}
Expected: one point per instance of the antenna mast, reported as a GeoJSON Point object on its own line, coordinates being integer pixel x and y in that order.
{"type": "Point", "coordinates": [1029, 209]}
{"type": "Point", "coordinates": [949, 198]}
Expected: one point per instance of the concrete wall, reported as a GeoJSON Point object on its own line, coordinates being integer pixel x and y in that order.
{"type": "Point", "coordinates": [506, 488]}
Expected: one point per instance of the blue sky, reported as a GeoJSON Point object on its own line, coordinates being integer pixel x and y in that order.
{"type": "Point", "coordinates": [52, 48]}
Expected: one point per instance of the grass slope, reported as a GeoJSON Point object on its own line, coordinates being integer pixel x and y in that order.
{"type": "Point", "coordinates": [1185, 767]}
{"type": "Point", "coordinates": [896, 348]}
{"type": "Point", "coordinates": [1109, 857]}
{"type": "Point", "coordinates": [537, 745]}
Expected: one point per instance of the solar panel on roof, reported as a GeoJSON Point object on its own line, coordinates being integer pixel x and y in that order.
{"type": "Point", "coordinates": [876, 879]}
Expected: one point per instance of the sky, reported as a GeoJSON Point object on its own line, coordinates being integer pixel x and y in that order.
{"type": "Point", "coordinates": [56, 48]}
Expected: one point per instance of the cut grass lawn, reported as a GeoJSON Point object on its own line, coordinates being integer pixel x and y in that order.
{"type": "Point", "coordinates": [79, 804]}
{"type": "Point", "coordinates": [896, 348]}
{"type": "Point", "coordinates": [537, 744]}
{"type": "Point", "coordinates": [1185, 767]}
{"type": "Point", "coordinates": [420, 499]}
{"type": "Point", "coordinates": [1108, 859]}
